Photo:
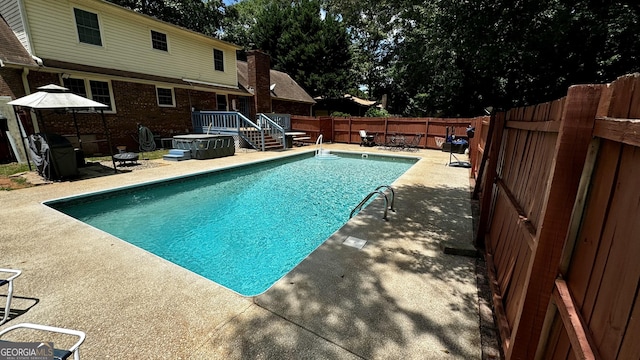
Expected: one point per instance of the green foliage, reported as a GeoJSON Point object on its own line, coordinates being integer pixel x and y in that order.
{"type": "Point", "coordinates": [340, 114]}
{"type": "Point", "coordinates": [313, 49]}
{"type": "Point", "coordinates": [439, 58]}
{"type": "Point", "coordinates": [198, 15]}
{"type": "Point", "coordinates": [375, 112]}
{"type": "Point", "coordinates": [457, 57]}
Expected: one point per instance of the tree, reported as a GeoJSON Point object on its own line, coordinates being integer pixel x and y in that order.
{"type": "Point", "coordinates": [371, 26]}
{"type": "Point", "coordinates": [204, 16]}
{"type": "Point", "coordinates": [455, 57]}
{"type": "Point", "coordinates": [309, 44]}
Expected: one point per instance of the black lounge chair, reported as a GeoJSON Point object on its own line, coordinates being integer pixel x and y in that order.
{"type": "Point", "coordinates": [366, 139]}
{"type": "Point", "coordinates": [60, 354]}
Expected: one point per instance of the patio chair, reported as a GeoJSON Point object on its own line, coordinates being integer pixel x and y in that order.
{"type": "Point", "coordinates": [8, 281]}
{"type": "Point", "coordinates": [415, 143]}
{"type": "Point", "coordinates": [366, 139]}
{"type": "Point", "coordinates": [60, 354]}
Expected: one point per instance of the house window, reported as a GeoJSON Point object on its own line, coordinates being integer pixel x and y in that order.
{"type": "Point", "coordinates": [165, 96]}
{"type": "Point", "coordinates": [76, 86]}
{"type": "Point", "coordinates": [244, 106]}
{"type": "Point", "coordinates": [222, 102]}
{"type": "Point", "coordinates": [96, 90]}
{"type": "Point", "coordinates": [88, 27]}
{"type": "Point", "coordinates": [159, 41]}
{"type": "Point", "coordinates": [100, 92]}
{"type": "Point", "coordinates": [218, 60]}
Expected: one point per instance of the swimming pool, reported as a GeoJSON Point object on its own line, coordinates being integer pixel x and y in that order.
{"type": "Point", "coordinates": [243, 227]}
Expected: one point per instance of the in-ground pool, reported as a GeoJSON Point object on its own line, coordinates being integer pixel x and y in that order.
{"type": "Point", "coordinates": [242, 227]}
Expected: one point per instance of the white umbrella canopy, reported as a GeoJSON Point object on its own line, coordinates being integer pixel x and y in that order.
{"type": "Point", "coordinates": [56, 97]}
{"type": "Point", "coordinates": [53, 97]}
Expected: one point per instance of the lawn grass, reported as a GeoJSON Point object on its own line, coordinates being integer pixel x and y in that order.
{"type": "Point", "coordinates": [13, 168]}
{"type": "Point", "coordinates": [11, 183]}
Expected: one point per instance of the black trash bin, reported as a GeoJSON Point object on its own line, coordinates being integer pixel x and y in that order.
{"type": "Point", "coordinates": [79, 157]}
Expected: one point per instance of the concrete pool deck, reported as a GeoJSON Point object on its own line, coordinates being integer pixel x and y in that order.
{"type": "Point", "coordinates": [400, 296]}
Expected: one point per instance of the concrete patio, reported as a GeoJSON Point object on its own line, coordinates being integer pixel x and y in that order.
{"type": "Point", "coordinates": [399, 297]}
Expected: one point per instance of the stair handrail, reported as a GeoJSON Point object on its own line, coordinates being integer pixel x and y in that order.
{"type": "Point", "coordinates": [243, 124]}
{"type": "Point", "coordinates": [319, 145]}
{"type": "Point", "coordinates": [273, 129]}
{"type": "Point", "coordinates": [371, 194]}
{"type": "Point", "coordinates": [393, 195]}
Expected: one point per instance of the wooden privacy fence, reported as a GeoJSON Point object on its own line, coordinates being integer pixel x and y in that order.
{"type": "Point", "coordinates": [426, 130]}
{"type": "Point", "coordinates": [560, 224]}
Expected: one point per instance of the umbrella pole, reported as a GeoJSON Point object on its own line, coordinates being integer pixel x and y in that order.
{"type": "Point", "coordinates": [44, 128]}
{"type": "Point", "coordinates": [20, 131]}
{"type": "Point", "coordinates": [106, 130]}
{"type": "Point", "coordinates": [75, 123]}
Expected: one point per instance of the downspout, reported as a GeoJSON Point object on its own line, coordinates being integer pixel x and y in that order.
{"type": "Point", "coordinates": [38, 60]}
{"type": "Point", "coordinates": [27, 91]}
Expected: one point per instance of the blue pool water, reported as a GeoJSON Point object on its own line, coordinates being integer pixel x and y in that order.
{"type": "Point", "coordinates": [244, 227]}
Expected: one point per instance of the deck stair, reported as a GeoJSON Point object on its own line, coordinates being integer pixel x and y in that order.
{"type": "Point", "coordinates": [270, 143]}
{"type": "Point", "coordinates": [265, 133]}
{"type": "Point", "coordinates": [177, 155]}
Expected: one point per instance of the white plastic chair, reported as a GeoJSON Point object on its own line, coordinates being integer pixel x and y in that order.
{"type": "Point", "coordinates": [8, 281]}
{"type": "Point", "coordinates": [57, 353]}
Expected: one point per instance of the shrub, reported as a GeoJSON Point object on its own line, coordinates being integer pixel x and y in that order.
{"type": "Point", "coordinates": [375, 112]}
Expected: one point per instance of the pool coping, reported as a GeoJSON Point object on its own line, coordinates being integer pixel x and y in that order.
{"type": "Point", "coordinates": [79, 278]}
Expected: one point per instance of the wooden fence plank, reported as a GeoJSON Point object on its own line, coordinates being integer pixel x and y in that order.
{"type": "Point", "coordinates": [501, 318]}
{"type": "Point", "coordinates": [630, 348]}
{"type": "Point", "coordinates": [544, 126]}
{"type": "Point", "coordinates": [626, 131]}
{"type": "Point", "coordinates": [487, 188]}
{"type": "Point", "coordinates": [580, 337]}
{"type": "Point", "coordinates": [558, 345]}
{"type": "Point", "coordinates": [582, 270]}
{"type": "Point", "coordinates": [619, 285]}
{"type": "Point", "coordinates": [621, 96]}
{"type": "Point", "coordinates": [573, 141]}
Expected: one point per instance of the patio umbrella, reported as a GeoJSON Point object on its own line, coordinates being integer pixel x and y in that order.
{"type": "Point", "coordinates": [55, 97]}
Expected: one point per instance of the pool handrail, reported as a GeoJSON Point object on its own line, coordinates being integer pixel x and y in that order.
{"type": "Point", "coordinates": [377, 191]}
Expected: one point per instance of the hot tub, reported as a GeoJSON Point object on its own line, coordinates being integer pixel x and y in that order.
{"type": "Point", "coordinates": [205, 146]}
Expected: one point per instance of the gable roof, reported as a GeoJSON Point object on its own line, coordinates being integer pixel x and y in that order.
{"type": "Point", "coordinates": [285, 87]}
{"type": "Point", "coordinates": [11, 50]}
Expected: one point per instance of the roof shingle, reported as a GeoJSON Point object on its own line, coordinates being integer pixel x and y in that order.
{"type": "Point", "coordinates": [285, 87]}
{"type": "Point", "coordinates": [11, 50]}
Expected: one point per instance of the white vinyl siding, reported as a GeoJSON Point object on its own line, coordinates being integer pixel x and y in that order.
{"type": "Point", "coordinates": [125, 43]}
{"type": "Point", "coordinates": [10, 11]}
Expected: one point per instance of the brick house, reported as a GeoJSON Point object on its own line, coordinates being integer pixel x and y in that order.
{"type": "Point", "coordinates": [147, 71]}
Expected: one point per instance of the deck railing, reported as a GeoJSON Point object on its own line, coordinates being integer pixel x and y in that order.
{"type": "Point", "coordinates": [228, 122]}
{"type": "Point", "coordinates": [273, 129]}
{"type": "Point", "coordinates": [221, 121]}
{"type": "Point", "coordinates": [283, 120]}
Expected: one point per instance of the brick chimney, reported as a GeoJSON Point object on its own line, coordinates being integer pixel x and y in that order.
{"type": "Point", "coordinates": [259, 66]}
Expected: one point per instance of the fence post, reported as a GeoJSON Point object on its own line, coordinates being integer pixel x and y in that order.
{"type": "Point", "coordinates": [494, 143]}
{"type": "Point", "coordinates": [426, 133]}
{"type": "Point", "coordinates": [574, 137]}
